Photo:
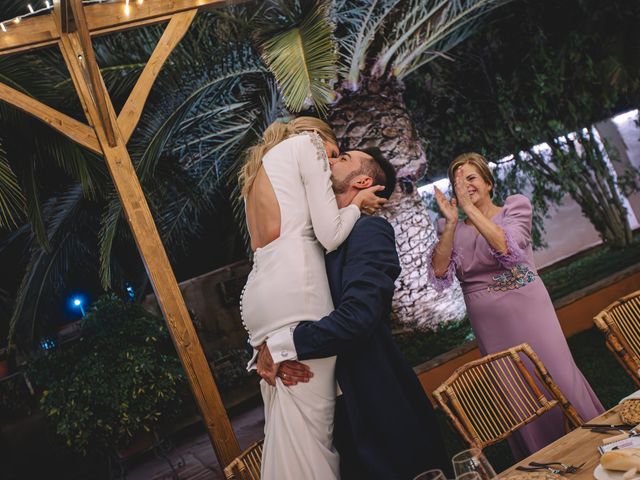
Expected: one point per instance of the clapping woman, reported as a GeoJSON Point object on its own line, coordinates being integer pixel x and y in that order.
{"type": "Point", "coordinates": [490, 252]}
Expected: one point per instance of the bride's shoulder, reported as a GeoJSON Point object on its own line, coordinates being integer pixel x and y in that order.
{"type": "Point", "coordinates": [309, 146]}
{"type": "Point", "coordinates": [307, 139]}
{"type": "Point", "coordinates": [296, 145]}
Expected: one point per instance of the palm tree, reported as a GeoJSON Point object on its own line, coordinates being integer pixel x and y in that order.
{"type": "Point", "coordinates": [379, 43]}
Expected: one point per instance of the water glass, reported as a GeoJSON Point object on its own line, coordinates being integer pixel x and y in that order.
{"type": "Point", "coordinates": [432, 475]}
{"type": "Point", "coordinates": [472, 461]}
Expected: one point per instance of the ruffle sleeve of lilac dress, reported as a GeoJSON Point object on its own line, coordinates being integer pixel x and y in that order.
{"type": "Point", "coordinates": [441, 283]}
{"type": "Point", "coordinates": [516, 226]}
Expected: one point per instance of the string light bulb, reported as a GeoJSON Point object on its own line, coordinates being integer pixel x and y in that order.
{"type": "Point", "coordinates": [48, 7]}
{"type": "Point", "coordinates": [127, 9]}
{"type": "Point", "coordinates": [140, 2]}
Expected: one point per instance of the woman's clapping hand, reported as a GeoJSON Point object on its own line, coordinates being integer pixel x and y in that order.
{"type": "Point", "coordinates": [448, 208]}
{"type": "Point", "coordinates": [460, 189]}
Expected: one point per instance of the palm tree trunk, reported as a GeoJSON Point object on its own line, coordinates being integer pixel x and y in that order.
{"type": "Point", "coordinates": [376, 115]}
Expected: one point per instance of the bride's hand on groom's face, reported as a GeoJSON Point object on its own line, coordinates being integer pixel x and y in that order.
{"type": "Point", "coordinates": [291, 373]}
{"type": "Point", "coordinates": [367, 200]}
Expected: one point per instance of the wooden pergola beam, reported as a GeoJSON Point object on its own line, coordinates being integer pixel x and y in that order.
{"type": "Point", "coordinates": [70, 127]}
{"type": "Point", "coordinates": [88, 60]}
{"type": "Point", "coordinates": [132, 110]}
{"type": "Point", "coordinates": [74, 39]}
{"type": "Point", "coordinates": [78, 54]}
{"type": "Point", "coordinates": [71, 27]}
{"type": "Point", "coordinates": [102, 18]}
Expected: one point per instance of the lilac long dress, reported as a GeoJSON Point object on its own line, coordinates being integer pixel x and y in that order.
{"type": "Point", "coordinates": [508, 304]}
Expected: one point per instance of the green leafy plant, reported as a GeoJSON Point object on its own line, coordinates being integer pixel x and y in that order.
{"type": "Point", "coordinates": [120, 378]}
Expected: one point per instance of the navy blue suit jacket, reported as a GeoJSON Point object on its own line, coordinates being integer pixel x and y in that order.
{"type": "Point", "coordinates": [388, 423]}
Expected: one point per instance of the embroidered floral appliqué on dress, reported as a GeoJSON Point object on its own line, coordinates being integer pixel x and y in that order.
{"type": "Point", "coordinates": [516, 277]}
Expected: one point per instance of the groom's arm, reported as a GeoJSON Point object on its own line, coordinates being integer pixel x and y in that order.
{"type": "Point", "coordinates": [370, 270]}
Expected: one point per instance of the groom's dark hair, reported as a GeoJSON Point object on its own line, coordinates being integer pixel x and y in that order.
{"type": "Point", "coordinates": [379, 169]}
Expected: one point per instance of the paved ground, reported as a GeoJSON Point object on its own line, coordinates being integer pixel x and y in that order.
{"type": "Point", "coordinates": [193, 457]}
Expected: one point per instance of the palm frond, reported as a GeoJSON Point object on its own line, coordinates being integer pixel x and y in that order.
{"type": "Point", "coordinates": [66, 251]}
{"type": "Point", "coordinates": [35, 74]}
{"type": "Point", "coordinates": [12, 201]}
{"type": "Point", "coordinates": [303, 60]}
{"type": "Point", "coordinates": [179, 202]}
{"type": "Point", "coordinates": [205, 95]}
{"type": "Point", "coordinates": [111, 217]}
{"type": "Point", "coordinates": [81, 165]}
{"type": "Point", "coordinates": [426, 29]}
{"type": "Point", "coordinates": [34, 207]}
{"type": "Point", "coordinates": [362, 21]}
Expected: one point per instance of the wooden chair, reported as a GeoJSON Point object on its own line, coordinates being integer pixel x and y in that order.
{"type": "Point", "coordinates": [620, 323]}
{"type": "Point", "coordinates": [247, 465]}
{"type": "Point", "coordinates": [488, 399]}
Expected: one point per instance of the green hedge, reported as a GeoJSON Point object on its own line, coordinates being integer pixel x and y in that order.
{"type": "Point", "coordinates": [574, 274]}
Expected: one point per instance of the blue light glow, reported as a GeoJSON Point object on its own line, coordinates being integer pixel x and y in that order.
{"type": "Point", "coordinates": [77, 302]}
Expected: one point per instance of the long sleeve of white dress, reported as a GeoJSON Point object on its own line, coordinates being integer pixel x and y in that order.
{"type": "Point", "coordinates": [331, 225]}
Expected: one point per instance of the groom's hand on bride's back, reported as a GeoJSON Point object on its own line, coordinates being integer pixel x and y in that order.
{"type": "Point", "coordinates": [292, 372]}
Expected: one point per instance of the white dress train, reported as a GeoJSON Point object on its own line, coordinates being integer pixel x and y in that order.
{"type": "Point", "coordinates": [288, 284]}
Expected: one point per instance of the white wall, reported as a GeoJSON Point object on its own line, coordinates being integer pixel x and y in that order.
{"type": "Point", "coordinates": [567, 232]}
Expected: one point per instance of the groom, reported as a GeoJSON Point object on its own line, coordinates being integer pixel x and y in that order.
{"type": "Point", "coordinates": [384, 424]}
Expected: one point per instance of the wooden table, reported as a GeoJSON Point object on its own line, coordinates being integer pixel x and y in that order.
{"type": "Point", "coordinates": [576, 447]}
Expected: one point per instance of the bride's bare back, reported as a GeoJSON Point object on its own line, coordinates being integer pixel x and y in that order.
{"type": "Point", "coordinates": [263, 212]}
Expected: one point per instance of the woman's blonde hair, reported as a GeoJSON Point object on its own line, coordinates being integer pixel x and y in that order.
{"type": "Point", "coordinates": [273, 135]}
{"type": "Point", "coordinates": [478, 161]}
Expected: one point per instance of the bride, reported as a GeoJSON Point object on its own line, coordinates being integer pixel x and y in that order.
{"type": "Point", "coordinates": [293, 220]}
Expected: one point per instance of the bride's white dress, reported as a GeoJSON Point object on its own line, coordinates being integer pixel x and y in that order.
{"type": "Point", "coordinates": [288, 284]}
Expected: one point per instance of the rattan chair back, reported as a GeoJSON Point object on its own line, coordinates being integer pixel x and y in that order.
{"type": "Point", "coordinates": [620, 323]}
{"type": "Point", "coordinates": [247, 465]}
{"type": "Point", "coordinates": [488, 399]}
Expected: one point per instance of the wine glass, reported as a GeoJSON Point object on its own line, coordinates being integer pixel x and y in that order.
{"type": "Point", "coordinates": [469, 476]}
{"type": "Point", "coordinates": [432, 475]}
{"type": "Point", "coordinates": [472, 460]}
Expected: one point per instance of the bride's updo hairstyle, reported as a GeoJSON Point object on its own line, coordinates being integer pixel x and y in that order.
{"type": "Point", "coordinates": [273, 135]}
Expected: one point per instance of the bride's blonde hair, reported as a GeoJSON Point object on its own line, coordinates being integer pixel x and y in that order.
{"type": "Point", "coordinates": [273, 135]}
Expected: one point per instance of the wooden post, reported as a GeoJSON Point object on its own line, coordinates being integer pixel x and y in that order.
{"type": "Point", "coordinates": [71, 29]}
{"type": "Point", "coordinates": [78, 54]}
